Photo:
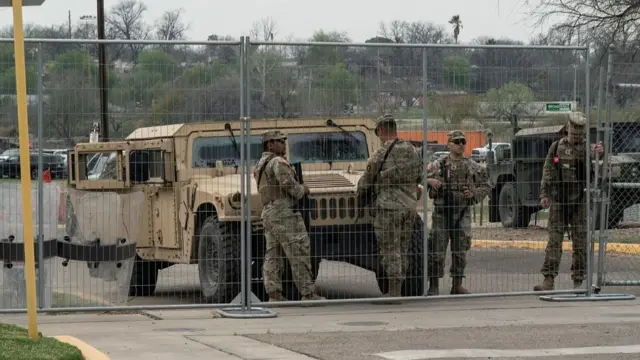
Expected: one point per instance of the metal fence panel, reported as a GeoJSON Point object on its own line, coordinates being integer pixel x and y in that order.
{"type": "Point", "coordinates": [208, 260]}
{"type": "Point", "coordinates": [620, 254]}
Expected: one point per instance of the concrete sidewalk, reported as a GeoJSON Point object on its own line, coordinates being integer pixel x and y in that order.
{"type": "Point", "coordinates": [202, 334]}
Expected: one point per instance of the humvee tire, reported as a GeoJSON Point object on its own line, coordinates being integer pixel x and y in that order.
{"type": "Point", "coordinates": [219, 260]}
{"type": "Point", "coordinates": [413, 284]}
{"type": "Point", "coordinates": [512, 215]}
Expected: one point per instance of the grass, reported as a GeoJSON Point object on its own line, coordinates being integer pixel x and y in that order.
{"type": "Point", "coordinates": [16, 345]}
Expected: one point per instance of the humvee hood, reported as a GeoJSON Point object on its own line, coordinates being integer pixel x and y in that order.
{"type": "Point", "coordinates": [317, 181]}
{"type": "Point", "coordinates": [625, 158]}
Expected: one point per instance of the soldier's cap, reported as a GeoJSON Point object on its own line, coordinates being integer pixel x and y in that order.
{"type": "Point", "coordinates": [455, 134]}
{"type": "Point", "coordinates": [384, 119]}
{"type": "Point", "coordinates": [273, 135]}
{"type": "Point", "coordinates": [578, 122]}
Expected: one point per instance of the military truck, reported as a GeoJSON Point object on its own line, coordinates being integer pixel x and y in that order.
{"type": "Point", "coordinates": [517, 173]}
{"type": "Point", "coordinates": [191, 179]}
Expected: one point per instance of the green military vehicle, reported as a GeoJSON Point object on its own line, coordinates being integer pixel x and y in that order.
{"type": "Point", "coordinates": [186, 182]}
{"type": "Point", "coordinates": [517, 172]}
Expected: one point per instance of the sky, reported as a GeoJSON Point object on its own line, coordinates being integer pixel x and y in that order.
{"type": "Point", "coordinates": [495, 18]}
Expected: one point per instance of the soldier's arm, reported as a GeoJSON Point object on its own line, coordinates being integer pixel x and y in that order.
{"type": "Point", "coordinates": [366, 180]}
{"type": "Point", "coordinates": [548, 170]}
{"type": "Point", "coordinates": [481, 181]}
{"type": "Point", "coordinates": [286, 178]}
{"type": "Point", "coordinates": [404, 163]}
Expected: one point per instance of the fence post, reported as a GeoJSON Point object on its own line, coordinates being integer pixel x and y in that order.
{"type": "Point", "coordinates": [245, 310]}
{"type": "Point", "coordinates": [590, 295]}
{"type": "Point", "coordinates": [40, 268]}
{"type": "Point", "coordinates": [425, 236]}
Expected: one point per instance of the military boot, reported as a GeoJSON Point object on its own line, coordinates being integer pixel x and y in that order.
{"type": "Point", "coordinates": [434, 286]}
{"type": "Point", "coordinates": [546, 285]}
{"type": "Point", "coordinates": [457, 288]}
{"type": "Point", "coordinates": [395, 290]}
{"type": "Point", "coordinates": [276, 296]}
{"type": "Point", "coordinates": [312, 296]}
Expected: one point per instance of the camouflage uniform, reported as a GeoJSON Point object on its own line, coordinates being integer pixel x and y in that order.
{"type": "Point", "coordinates": [565, 191]}
{"type": "Point", "coordinates": [284, 229]}
{"type": "Point", "coordinates": [451, 219]}
{"type": "Point", "coordinates": [394, 210]}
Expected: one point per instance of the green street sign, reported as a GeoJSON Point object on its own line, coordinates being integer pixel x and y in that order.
{"type": "Point", "coordinates": [558, 107]}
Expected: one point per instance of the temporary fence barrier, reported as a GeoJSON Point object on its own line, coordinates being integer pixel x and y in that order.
{"type": "Point", "coordinates": [183, 187]}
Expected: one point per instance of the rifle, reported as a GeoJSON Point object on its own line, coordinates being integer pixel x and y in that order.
{"type": "Point", "coordinates": [303, 205]}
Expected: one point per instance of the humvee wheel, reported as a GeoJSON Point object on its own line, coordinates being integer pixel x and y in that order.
{"type": "Point", "coordinates": [413, 284]}
{"type": "Point", "coordinates": [512, 214]}
{"type": "Point", "coordinates": [144, 277]}
{"type": "Point", "coordinates": [218, 261]}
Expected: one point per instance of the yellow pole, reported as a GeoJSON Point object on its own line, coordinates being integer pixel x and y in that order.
{"type": "Point", "coordinates": [25, 166]}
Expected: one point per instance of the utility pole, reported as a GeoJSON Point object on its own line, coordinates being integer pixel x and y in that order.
{"type": "Point", "coordinates": [102, 63]}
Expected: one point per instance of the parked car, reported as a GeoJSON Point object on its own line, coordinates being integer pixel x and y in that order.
{"type": "Point", "coordinates": [480, 154]}
{"type": "Point", "coordinates": [52, 162]}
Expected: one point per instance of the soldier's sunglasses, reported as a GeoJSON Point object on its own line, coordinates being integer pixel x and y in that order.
{"type": "Point", "coordinates": [459, 142]}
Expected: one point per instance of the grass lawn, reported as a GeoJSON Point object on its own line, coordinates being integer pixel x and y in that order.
{"type": "Point", "coordinates": [16, 345]}
{"type": "Point", "coordinates": [629, 240]}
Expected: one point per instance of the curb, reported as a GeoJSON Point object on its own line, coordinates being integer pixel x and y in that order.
{"type": "Point", "coordinates": [88, 351]}
{"type": "Point", "coordinates": [620, 248]}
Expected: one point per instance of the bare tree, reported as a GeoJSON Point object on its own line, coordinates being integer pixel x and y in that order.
{"type": "Point", "coordinates": [171, 27]}
{"type": "Point", "coordinates": [125, 21]}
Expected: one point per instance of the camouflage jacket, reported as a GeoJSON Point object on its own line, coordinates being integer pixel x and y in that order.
{"type": "Point", "coordinates": [563, 159]}
{"type": "Point", "coordinates": [396, 184]}
{"type": "Point", "coordinates": [278, 183]}
{"type": "Point", "coordinates": [457, 175]}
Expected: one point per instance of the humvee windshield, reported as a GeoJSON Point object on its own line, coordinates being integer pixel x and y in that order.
{"type": "Point", "coordinates": [328, 147]}
{"type": "Point", "coordinates": [208, 150]}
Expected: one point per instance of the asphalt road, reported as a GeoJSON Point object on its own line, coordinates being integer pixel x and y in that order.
{"type": "Point", "coordinates": [489, 271]}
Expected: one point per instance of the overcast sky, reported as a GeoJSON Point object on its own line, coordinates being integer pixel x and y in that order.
{"type": "Point", "coordinates": [360, 19]}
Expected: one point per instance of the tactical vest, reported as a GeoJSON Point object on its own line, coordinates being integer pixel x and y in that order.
{"type": "Point", "coordinates": [269, 191]}
{"type": "Point", "coordinates": [569, 176]}
{"type": "Point", "coordinates": [454, 182]}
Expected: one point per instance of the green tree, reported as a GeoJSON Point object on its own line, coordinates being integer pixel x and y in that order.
{"type": "Point", "coordinates": [512, 99]}
{"type": "Point", "coordinates": [457, 72]}
{"type": "Point", "coordinates": [336, 87]}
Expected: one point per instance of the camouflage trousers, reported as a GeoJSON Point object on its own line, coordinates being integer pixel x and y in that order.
{"type": "Point", "coordinates": [286, 237]}
{"type": "Point", "coordinates": [449, 226]}
{"type": "Point", "coordinates": [394, 229]}
{"type": "Point", "coordinates": [560, 216]}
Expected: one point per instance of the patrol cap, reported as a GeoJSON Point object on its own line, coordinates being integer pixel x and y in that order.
{"type": "Point", "coordinates": [385, 119]}
{"type": "Point", "coordinates": [455, 134]}
{"type": "Point", "coordinates": [578, 122]}
{"type": "Point", "coordinates": [273, 135]}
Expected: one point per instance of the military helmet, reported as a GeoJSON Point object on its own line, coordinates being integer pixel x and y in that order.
{"type": "Point", "coordinates": [384, 120]}
{"type": "Point", "coordinates": [455, 134]}
{"type": "Point", "coordinates": [578, 122]}
{"type": "Point", "coordinates": [273, 135]}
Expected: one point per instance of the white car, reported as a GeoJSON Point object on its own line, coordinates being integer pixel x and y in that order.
{"type": "Point", "coordinates": [480, 154]}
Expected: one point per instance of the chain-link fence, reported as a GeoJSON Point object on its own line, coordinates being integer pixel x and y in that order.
{"type": "Point", "coordinates": [173, 179]}
{"type": "Point", "coordinates": [620, 257]}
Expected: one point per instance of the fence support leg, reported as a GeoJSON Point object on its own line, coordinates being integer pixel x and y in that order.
{"type": "Point", "coordinates": [245, 311]}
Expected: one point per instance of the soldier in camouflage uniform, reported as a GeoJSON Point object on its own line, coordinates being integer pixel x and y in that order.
{"type": "Point", "coordinates": [393, 182]}
{"type": "Point", "coordinates": [455, 183]}
{"type": "Point", "coordinates": [284, 229]}
{"type": "Point", "coordinates": [562, 187]}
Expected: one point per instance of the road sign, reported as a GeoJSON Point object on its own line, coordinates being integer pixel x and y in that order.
{"type": "Point", "coordinates": [558, 107]}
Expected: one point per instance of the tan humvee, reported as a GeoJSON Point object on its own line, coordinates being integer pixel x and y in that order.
{"type": "Point", "coordinates": [188, 179]}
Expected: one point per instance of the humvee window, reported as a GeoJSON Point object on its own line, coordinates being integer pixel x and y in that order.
{"type": "Point", "coordinates": [208, 150]}
{"type": "Point", "coordinates": [328, 147]}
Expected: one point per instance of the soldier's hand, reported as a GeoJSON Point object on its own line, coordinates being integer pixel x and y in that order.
{"type": "Point", "coordinates": [544, 202]}
{"type": "Point", "coordinates": [430, 166]}
{"type": "Point", "coordinates": [468, 193]}
{"type": "Point", "coordinates": [598, 148]}
{"type": "Point", "coordinates": [435, 183]}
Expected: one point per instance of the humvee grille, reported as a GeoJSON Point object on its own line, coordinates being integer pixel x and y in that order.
{"type": "Point", "coordinates": [326, 180]}
{"type": "Point", "coordinates": [333, 208]}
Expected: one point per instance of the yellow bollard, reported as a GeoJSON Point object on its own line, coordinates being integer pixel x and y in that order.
{"type": "Point", "coordinates": [25, 173]}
